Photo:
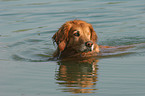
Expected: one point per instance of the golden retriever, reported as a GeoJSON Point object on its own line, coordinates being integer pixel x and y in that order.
{"type": "Point", "coordinates": [75, 37]}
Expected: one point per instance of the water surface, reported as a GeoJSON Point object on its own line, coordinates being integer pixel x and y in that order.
{"type": "Point", "coordinates": [25, 47]}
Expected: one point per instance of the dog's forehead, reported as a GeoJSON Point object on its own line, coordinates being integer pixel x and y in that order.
{"type": "Point", "coordinates": [81, 27]}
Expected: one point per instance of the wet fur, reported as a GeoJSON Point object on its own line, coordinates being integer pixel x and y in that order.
{"type": "Point", "coordinates": [66, 46]}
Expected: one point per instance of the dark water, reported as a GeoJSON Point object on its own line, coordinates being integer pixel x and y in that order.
{"type": "Point", "coordinates": [26, 28]}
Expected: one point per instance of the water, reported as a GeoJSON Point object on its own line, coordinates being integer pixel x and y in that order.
{"type": "Point", "coordinates": [25, 47]}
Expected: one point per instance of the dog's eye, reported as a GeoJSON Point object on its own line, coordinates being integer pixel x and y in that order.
{"type": "Point", "coordinates": [76, 33]}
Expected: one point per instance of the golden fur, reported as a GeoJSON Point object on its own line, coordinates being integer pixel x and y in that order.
{"type": "Point", "coordinates": [75, 37]}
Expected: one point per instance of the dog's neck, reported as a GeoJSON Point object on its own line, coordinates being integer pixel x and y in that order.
{"type": "Point", "coordinates": [67, 53]}
{"type": "Point", "coordinates": [74, 54]}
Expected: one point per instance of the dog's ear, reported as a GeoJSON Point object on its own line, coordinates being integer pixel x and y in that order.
{"type": "Point", "coordinates": [61, 36]}
{"type": "Point", "coordinates": [94, 36]}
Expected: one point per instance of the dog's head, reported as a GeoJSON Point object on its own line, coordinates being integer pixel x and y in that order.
{"type": "Point", "coordinates": [77, 35]}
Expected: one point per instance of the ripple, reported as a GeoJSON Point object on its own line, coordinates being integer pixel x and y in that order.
{"type": "Point", "coordinates": [28, 29]}
{"type": "Point", "coordinates": [16, 44]}
{"type": "Point", "coordinates": [21, 58]}
{"type": "Point", "coordinates": [34, 40]}
{"type": "Point", "coordinates": [9, 0]}
{"type": "Point", "coordinates": [114, 3]}
{"type": "Point", "coordinates": [123, 41]}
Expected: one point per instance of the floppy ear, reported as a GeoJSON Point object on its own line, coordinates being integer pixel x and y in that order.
{"type": "Point", "coordinates": [94, 36]}
{"type": "Point", "coordinates": [61, 36]}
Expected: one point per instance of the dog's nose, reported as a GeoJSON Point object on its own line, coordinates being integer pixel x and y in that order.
{"type": "Point", "coordinates": [89, 44]}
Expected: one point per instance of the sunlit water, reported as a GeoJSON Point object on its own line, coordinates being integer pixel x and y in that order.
{"type": "Point", "coordinates": [26, 28]}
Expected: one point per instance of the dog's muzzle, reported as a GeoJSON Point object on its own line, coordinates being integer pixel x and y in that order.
{"type": "Point", "coordinates": [89, 46]}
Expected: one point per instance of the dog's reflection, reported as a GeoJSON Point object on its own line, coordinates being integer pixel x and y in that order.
{"type": "Point", "coordinates": [77, 76]}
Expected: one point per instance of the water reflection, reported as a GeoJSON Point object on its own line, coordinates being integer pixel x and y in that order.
{"type": "Point", "coordinates": [77, 76]}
